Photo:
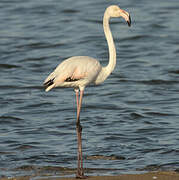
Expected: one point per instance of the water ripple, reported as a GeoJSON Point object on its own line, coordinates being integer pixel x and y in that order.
{"type": "Point", "coordinates": [131, 117]}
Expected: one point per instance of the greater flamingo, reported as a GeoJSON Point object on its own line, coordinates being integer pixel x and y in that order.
{"type": "Point", "coordinates": [79, 71]}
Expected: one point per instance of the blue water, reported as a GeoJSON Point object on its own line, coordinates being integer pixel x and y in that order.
{"type": "Point", "coordinates": [134, 114]}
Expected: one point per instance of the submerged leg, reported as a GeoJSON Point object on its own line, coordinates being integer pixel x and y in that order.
{"type": "Point", "coordinates": [80, 171]}
{"type": "Point", "coordinates": [79, 159]}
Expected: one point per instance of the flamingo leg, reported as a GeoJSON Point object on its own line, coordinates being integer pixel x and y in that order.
{"type": "Point", "coordinates": [77, 98]}
{"type": "Point", "coordinates": [80, 171]}
{"type": "Point", "coordinates": [77, 103]}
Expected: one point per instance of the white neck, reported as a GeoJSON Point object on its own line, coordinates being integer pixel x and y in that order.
{"type": "Point", "coordinates": [106, 71]}
{"type": "Point", "coordinates": [111, 46]}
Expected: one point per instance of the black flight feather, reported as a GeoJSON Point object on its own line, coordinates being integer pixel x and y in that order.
{"type": "Point", "coordinates": [69, 79]}
{"type": "Point", "coordinates": [49, 83]}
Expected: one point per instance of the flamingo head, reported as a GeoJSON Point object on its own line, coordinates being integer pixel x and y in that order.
{"type": "Point", "coordinates": [116, 11]}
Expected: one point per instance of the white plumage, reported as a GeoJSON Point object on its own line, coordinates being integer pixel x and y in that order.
{"type": "Point", "coordinates": [76, 72]}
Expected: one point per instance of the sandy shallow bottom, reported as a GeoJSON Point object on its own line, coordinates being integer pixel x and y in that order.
{"type": "Point", "coordinates": [164, 175]}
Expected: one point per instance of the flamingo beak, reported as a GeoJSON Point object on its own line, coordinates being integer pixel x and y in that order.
{"type": "Point", "coordinates": [126, 16]}
{"type": "Point", "coordinates": [129, 21]}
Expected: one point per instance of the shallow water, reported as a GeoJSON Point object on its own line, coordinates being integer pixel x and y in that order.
{"type": "Point", "coordinates": [133, 114]}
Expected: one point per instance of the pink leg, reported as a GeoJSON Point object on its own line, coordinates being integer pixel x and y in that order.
{"type": "Point", "coordinates": [79, 106]}
{"type": "Point", "coordinates": [77, 101]}
{"type": "Point", "coordinates": [80, 171]}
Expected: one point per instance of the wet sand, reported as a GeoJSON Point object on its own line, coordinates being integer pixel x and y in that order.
{"type": "Point", "coordinates": [164, 175]}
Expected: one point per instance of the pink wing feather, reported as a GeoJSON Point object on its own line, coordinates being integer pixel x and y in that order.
{"type": "Point", "coordinates": [73, 72]}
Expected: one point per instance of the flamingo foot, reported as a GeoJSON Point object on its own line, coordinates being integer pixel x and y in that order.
{"type": "Point", "coordinates": [80, 174]}
{"type": "Point", "coordinates": [81, 177]}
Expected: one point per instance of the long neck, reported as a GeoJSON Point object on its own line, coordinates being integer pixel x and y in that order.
{"type": "Point", "coordinates": [112, 50]}
{"type": "Point", "coordinates": [106, 71]}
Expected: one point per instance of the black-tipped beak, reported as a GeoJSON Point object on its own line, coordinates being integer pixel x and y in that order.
{"type": "Point", "coordinates": [129, 21]}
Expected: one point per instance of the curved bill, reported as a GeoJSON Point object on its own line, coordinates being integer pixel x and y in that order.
{"type": "Point", "coordinates": [129, 21]}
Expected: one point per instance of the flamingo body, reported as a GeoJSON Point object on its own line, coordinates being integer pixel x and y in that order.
{"type": "Point", "coordinates": [76, 72]}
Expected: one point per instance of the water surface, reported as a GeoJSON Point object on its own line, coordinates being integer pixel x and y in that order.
{"type": "Point", "coordinates": [133, 115]}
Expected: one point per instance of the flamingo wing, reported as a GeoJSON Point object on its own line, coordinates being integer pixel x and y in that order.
{"type": "Point", "coordinates": [74, 72]}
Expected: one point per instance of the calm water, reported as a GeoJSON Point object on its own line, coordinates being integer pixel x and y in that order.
{"type": "Point", "coordinates": [133, 116]}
